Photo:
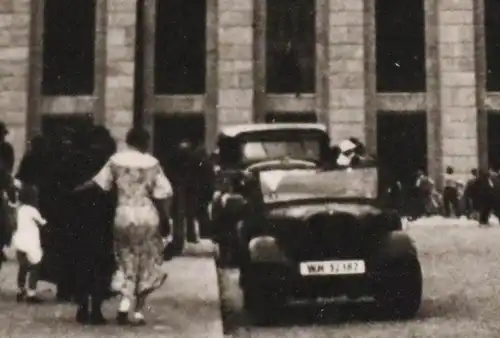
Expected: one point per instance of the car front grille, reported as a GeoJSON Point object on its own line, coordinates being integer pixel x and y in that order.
{"type": "Point", "coordinates": [325, 236]}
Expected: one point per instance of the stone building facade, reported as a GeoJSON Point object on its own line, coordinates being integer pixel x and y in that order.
{"type": "Point", "coordinates": [449, 115]}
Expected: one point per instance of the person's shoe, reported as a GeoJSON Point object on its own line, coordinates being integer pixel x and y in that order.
{"type": "Point", "coordinates": [122, 318]}
{"type": "Point", "coordinates": [139, 319]}
{"type": "Point", "coordinates": [33, 300]}
{"type": "Point", "coordinates": [21, 296]}
{"type": "Point", "coordinates": [82, 316]}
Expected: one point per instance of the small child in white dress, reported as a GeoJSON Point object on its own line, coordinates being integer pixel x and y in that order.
{"type": "Point", "coordinates": [26, 242]}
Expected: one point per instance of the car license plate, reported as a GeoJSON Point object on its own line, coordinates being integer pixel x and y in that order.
{"type": "Point", "coordinates": [330, 268]}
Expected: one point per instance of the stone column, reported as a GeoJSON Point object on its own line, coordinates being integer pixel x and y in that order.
{"type": "Point", "coordinates": [235, 62]}
{"type": "Point", "coordinates": [458, 85]}
{"type": "Point", "coordinates": [120, 63]}
{"type": "Point", "coordinates": [346, 70]}
{"type": "Point", "coordinates": [14, 65]}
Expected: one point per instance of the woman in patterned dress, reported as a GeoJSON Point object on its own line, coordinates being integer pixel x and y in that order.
{"type": "Point", "coordinates": [144, 197]}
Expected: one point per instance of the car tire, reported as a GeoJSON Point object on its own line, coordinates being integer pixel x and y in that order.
{"type": "Point", "coordinates": [263, 303]}
{"type": "Point", "coordinates": [263, 306]}
{"type": "Point", "coordinates": [399, 296]}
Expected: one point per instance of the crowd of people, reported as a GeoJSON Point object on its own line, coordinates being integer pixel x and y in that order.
{"type": "Point", "coordinates": [476, 198]}
{"type": "Point", "coordinates": [91, 219]}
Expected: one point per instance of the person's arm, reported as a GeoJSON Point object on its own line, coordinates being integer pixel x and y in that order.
{"type": "Point", "coordinates": [103, 180]}
{"type": "Point", "coordinates": [37, 217]}
{"type": "Point", "coordinates": [85, 186]}
{"type": "Point", "coordinates": [162, 196]}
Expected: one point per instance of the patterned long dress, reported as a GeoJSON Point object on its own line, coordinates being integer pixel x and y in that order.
{"type": "Point", "coordinates": [138, 245]}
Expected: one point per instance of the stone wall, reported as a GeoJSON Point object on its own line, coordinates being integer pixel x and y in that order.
{"type": "Point", "coordinates": [14, 42]}
{"type": "Point", "coordinates": [235, 65]}
{"type": "Point", "coordinates": [120, 63]}
{"type": "Point", "coordinates": [457, 85]}
{"type": "Point", "coordinates": [346, 69]}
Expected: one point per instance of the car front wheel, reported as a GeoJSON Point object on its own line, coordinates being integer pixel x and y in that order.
{"type": "Point", "coordinates": [399, 294]}
{"type": "Point", "coordinates": [263, 303]}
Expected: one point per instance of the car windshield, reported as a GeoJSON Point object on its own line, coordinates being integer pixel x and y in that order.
{"type": "Point", "coordinates": [285, 185]}
{"type": "Point", "coordinates": [266, 150]}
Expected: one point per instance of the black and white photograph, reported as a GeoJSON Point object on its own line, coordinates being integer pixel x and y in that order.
{"type": "Point", "coordinates": [250, 168]}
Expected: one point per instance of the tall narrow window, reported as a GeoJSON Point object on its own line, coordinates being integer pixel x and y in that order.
{"type": "Point", "coordinates": [400, 46]}
{"type": "Point", "coordinates": [492, 37]}
{"type": "Point", "coordinates": [180, 48]}
{"type": "Point", "coordinates": [68, 47]}
{"type": "Point", "coordinates": [290, 46]}
{"type": "Point", "coordinates": [295, 117]}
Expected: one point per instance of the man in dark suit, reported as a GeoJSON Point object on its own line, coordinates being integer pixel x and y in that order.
{"type": "Point", "coordinates": [92, 227]}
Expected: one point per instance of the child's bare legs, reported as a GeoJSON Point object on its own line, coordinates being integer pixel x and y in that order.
{"type": "Point", "coordinates": [22, 275]}
{"type": "Point", "coordinates": [34, 272]}
{"type": "Point", "coordinates": [140, 302]}
{"type": "Point", "coordinates": [27, 273]}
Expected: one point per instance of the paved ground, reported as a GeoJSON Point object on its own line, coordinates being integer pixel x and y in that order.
{"type": "Point", "coordinates": [461, 292]}
{"type": "Point", "coordinates": [187, 306]}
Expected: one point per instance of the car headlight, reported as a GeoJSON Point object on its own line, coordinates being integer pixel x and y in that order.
{"type": "Point", "coordinates": [265, 249]}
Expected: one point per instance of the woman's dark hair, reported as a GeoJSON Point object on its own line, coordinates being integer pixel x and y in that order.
{"type": "Point", "coordinates": [138, 138]}
{"type": "Point", "coordinates": [449, 170]}
{"type": "Point", "coordinates": [28, 195]}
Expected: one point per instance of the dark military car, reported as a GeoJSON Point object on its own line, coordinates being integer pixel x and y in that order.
{"type": "Point", "coordinates": [313, 234]}
{"type": "Point", "coordinates": [242, 149]}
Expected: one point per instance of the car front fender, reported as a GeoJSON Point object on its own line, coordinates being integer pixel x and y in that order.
{"type": "Point", "coordinates": [265, 249]}
{"type": "Point", "coordinates": [396, 245]}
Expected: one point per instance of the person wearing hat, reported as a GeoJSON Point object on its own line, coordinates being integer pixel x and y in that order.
{"type": "Point", "coordinates": [347, 153]}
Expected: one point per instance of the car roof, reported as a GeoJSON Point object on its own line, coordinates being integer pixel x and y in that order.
{"type": "Point", "coordinates": [238, 129]}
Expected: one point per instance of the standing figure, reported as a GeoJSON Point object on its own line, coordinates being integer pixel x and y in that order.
{"type": "Point", "coordinates": [450, 194]}
{"type": "Point", "coordinates": [143, 204]}
{"type": "Point", "coordinates": [7, 190]}
{"type": "Point", "coordinates": [200, 189]}
{"type": "Point", "coordinates": [93, 231]}
{"type": "Point", "coordinates": [424, 189]}
{"type": "Point", "coordinates": [181, 176]}
{"type": "Point", "coordinates": [26, 242]}
{"type": "Point", "coordinates": [470, 195]}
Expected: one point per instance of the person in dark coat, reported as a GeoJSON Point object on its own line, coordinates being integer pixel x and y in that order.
{"type": "Point", "coordinates": [33, 166]}
{"type": "Point", "coordinates": [178, 172]}
{"type": "Point", "coordinates": [92, 229]}
{"type": "Point", "coordinates": [58, 241]}
{"type": "Point", "coordinates": [200, 188]}
{"type": "Point", "coordinates": [7, 156]}
{"type": "Point", "coordinates": [484, 196]}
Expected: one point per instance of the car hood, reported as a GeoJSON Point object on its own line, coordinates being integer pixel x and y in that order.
{"type": "Point", "coordinates": [307, 210]}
